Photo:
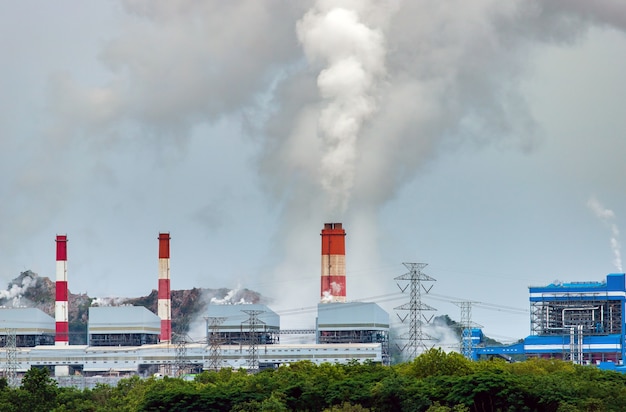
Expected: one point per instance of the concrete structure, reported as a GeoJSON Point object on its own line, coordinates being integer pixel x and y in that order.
{"type": "Point", "coordinates": [333, 279]}
{"type": "Point", "coordinates": [353, 322]}
{"type": "Point", "coordinates": [164, 293]}
{"type": "Point", "coordinates": [122, 326]}
{"type": "Point", "coordinates": [32, 327]}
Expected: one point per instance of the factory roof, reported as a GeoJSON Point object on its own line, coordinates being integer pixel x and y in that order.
{"type": "Point", "coordinates": [122, 319]}
{"type": "Point", "coordinates": [26, 321]}
{"type": "Point", "coordinates": [351, 316]}
{"type": "Point", "coordinates": [613, 287]}
{"type": "Point", "coordinates": [236, 318]}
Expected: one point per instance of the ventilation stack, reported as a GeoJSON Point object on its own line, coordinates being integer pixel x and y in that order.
{"type": "Point", "coordinates": [333, 263]}
{"type": "Point", "coordinates": [60, 305]}
{"type": "Point", "coordinates": [165, 301]}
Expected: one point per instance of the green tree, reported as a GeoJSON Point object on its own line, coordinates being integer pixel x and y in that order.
{"type": "Point", "coordinates": [41, 390]}
{"type": "Point", "coordinates": [436, 362]}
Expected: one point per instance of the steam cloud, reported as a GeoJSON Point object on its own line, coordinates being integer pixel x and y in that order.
{"type": "Point", "coordinates": [354, 57]}
{"type": "Point", "coordinates": [13, 295]}
{"type": "Point", "coordinates": [607, 216]}
{"type": "Point", "coordinates": [233, 297]}
{"type": "Point", "coordinates": [349, 99]}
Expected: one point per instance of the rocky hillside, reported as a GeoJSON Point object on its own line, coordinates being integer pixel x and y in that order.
{"type": "Point", "coordinates": [31, 290]}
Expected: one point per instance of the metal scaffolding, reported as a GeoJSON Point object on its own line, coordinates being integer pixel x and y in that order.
{"type": "Point", "coordinates": [417, 338]}
{"type": "Point", "coordinates": [557, 315]}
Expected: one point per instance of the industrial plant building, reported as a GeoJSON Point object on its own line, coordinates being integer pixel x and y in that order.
{"type": "Point", "coordinates": [122, 326]}
{"type": "Point", "coordinates": [353, 322]}
{"type": "Point", "coordinates": [26, 327]}
{"type": "Point", "coordinates": [582, 322]}
{"type": "Point", "coordinates": [134, 340]}
{"type": "Point", "coordinates": [243, 324]}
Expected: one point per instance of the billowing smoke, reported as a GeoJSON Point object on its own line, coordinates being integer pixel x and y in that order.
{"type": "Point", "coordinates": [109, 301]}
{"type": "Point", "coordinates": [607, 216]}
{"type": "Point", "coordinates": [347, 101]}
{"type": "Point", "coordinates": [13, 295]}
{"type": "Point", "coordinates": [353, 59]}
{"type": "Point", "coordinates": [232, 297]}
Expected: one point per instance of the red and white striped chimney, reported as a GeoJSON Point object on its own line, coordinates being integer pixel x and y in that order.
{"type": "Point", "coordinates": [333, 263]}
{"type": "Point", "coordinates": [165, 302]}
{"type": "Point", "coordinates": [61, 300]}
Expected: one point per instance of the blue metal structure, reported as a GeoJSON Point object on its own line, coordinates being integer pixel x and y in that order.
{"type": "Point", "coordinates": [579, 321]}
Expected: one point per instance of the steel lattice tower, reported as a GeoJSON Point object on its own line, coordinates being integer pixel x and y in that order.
{"type": "Point", "coordinates": [416, 338]}
{"type": "Point", "coordinates": [467, 344]}
{"type": "Point", "coordinates": [214, 341]}
{"type": "Point", "coordinates": [181, 356]}
{"type": "Point", "coordinates": [253, 341]}
{"type": "Point", "coordinates": [11, 357]}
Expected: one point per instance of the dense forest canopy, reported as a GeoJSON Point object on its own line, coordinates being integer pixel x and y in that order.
{"type": "Point", "coordinates": [434, 381]}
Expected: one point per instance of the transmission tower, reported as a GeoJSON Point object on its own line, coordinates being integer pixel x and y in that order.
{"type": "Point", "coordinates": [467, 344]}
{"type": "Point", "coordinates": [11, 357]}
{"type": "Point", "coordinates": [181, 354]}
{"type": "Point", "coordinates": [214, 341]}
{"type": "Point", "coordinates": [416, 338]}
{"type": "Point", "coordinates": [253, 338]}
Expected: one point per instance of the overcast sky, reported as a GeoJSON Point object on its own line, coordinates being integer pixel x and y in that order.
{"type": "Point", "coordinates": [484, 138]}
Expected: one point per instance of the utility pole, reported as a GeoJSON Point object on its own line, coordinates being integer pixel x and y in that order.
{"type": "Point", "coordinates": [416, 338]}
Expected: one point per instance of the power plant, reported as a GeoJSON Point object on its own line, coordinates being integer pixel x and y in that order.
{"type": "Point", "coordinates": [582, 322]}
{"type": "Point", "coordinates": [579, 322]}
{"type": "Point", "coordinates": [127, 340]}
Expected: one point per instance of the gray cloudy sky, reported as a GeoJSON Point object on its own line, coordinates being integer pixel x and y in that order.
{"type": "Point", "coordinates": [484, 138]}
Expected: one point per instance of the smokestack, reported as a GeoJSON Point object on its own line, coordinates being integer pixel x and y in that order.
{"type": "Point", "coordinates": [165, 302]}
{"type": "Point", "coordinates": [60, 305]}
{"type": "Point", "coordinates": [333, 263]}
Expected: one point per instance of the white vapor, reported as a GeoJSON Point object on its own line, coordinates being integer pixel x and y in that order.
{"type": "Point", "coordinates": [344, 103]}
{"type": "Point", "coordinates": [353, 58]}
{"type": "Point", "coordinates": [607, 216]}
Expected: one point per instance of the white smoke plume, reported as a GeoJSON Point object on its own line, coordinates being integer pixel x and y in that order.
{"type": "Point", "coordinates": [13, 295]}
{"type": "Point", "coordinates": [109, 301]}
{"type": "Point", "coordinates": [607, 216]}
{"type": "Point", "coordinates": [352, 55]}
{"type": "Point", "coordinates": [232, 297]}
{"type": "Point", "coordinates": [357, 97]}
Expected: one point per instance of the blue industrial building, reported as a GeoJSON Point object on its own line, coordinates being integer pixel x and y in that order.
{"type": "Point", "coordinates": [582, 322]}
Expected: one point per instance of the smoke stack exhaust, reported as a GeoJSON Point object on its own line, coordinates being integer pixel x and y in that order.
{"type": "Point", "coordinates": [165, 302]}
{"type": "Point", "coordinates": [333, 263]}
{"type": "Point", "coordinates": [61, 337]}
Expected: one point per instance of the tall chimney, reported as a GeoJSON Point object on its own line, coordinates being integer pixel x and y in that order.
{"type": "Point", "coordinates": [165, 302]}
{"type": "Point", "coordinates": [333, 263]}
{"type": "Point", "coordinates": [61, 337]}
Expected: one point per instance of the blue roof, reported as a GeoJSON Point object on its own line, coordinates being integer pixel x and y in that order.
{"type": "Point", "coordinates": [613, 282]}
